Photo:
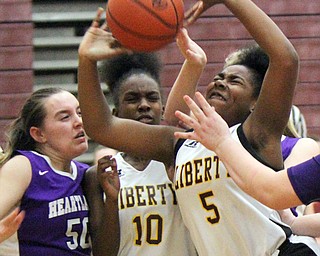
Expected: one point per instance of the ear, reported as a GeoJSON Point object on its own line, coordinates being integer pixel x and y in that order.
{"type": "Point", "coordinates": [162, 113]}
{"type": "Point", "coordinates": [114, 112]}
{"type": "Point", "coordinates": [37, 134]}
{"type": "Point", "coordinates": [252, 107]}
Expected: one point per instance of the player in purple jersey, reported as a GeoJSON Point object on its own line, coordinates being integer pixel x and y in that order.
{"type": "Point", "coordinates": [38, 174]}
{"type": "Point", "coordinates": [279, 190]}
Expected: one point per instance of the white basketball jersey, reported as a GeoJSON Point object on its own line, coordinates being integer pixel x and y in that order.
{"type": "Point", "coordinates": [150, 219]}
{"type": "Point", "coordinates": [221, 218]}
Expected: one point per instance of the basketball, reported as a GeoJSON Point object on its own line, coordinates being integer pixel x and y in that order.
{"type": "Point", "coordinates": [145, 25]}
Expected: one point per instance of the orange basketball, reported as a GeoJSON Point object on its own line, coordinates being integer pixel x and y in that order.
{"type": "Point", "coordinates": [145, 25]}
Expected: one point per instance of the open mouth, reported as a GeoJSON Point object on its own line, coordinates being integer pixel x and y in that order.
{"type": "Point", "coordinates": [217, 95]}
{"type": "Point", "coordinates": [80, 135]}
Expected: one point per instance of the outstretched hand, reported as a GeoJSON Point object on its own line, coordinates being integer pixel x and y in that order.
{"type": "Point", "coordinates": [98, 43]}
{"type": "Point", "coordinates": [108, 177]}
{"type": "Point", "coordinates": [10, 224]}
{"type": "Point", "coordinates": [209, 127]}
{"type": "Point", "coordinates": [197, 9]}
{"type": "Point", "coordinates": [191, 51]}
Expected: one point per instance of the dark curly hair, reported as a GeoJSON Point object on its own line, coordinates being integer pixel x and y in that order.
{"type": "Point", "coordinates": [254, 58]}
{"type": "Point", "coordinates": [115, 71]}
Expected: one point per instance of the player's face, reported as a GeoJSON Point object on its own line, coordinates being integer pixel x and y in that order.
{"type": "Point", "coordinates": [140, 100]}
{"type": "Point", "coordinates": [231, 93]}
{"type": "Point", "coordinates": [62, 131]}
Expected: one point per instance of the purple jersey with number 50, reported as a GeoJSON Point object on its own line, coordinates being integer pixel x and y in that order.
{"type": "Point", "coordinates": [56, 221]}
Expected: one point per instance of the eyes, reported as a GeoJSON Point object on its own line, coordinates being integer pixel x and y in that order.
{"type": "Point", "coordinates": [232, 80]}
{"type": "Point", "coordinates": [64, 116]}
{"type": "Point", "coordinates": [135, 98]}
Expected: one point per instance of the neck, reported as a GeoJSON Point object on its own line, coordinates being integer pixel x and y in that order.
{"type": "Point", "coordinates": [56, 160]}
{"type": "Point", "coordinates": [137, 162]}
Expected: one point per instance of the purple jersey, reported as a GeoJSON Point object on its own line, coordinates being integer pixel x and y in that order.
{"type": "Point", "coordinates": [56, 210]}
{"type": "Point", "coordinates": [287, 145]}
{"type": "Point", "coordinates": [305, 180]}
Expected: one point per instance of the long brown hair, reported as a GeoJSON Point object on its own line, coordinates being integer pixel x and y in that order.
{"type": "Point", "coordinates": [32, 114]}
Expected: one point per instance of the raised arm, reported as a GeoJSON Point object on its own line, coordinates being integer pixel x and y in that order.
{"type": "Point", "coordinates": [187, 80]}
{"type": "Point", "coordinates": [264, 126]}
{"type": "Point", "coordinates": [150, 141]}
{"type": "Point", "coordinates": [272, 109]}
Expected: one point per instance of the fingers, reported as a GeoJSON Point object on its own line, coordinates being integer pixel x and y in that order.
{"type": "Point", "coordinates": [106, 162]}
{"type": "Point", "coordinates": [195, 109]}
{"type": "Point", "coordinates": [185, 119]}
{"type": "Point", "coordinates": [105, 26]}
{"type": "Point", "coordinates": [96, 21]}
{"type": "Point", "coordinates": [14, 219]}
{"type": "Point", "coordinates": [185, 135]}
{"type": "Point", "coordinates": [204, 105]}
{"type": "Point", "coordinates": [182, 41]}
{"type": "Point", "coordinates": [193, 14]}
{"type": "Point", "coordinates": [19, 218]}
{"type": "Point", "coordinates": [183, 125]}
{"type": "Point", "coordinates": [200, 113]}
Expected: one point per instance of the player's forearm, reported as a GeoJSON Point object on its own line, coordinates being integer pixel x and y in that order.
{"type": "Point", "coordinates": [93, 105]}
{"type": "Point", "coordinates": [241, 168]}
{"type": "Point", "coordinates": [307, 225]}
{"type": "Point", "coordinates": [106, 236]}
{"type": "Point", "coordinates": [185, 84]}
{"type": "Point", "coordinates": [259, 181]}
{"type": "Point", "coordinates": [250, 175]}
{"type": "Point", "coordinates": [111, 227]}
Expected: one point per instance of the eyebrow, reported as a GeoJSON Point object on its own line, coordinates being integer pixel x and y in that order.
{"type": "Point", "coordinates": [64, 111]}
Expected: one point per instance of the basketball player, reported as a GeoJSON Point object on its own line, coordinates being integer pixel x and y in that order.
{"type": "Point", "coordinates": [286, 188]}
{"type": "Point", "coordinates": [294, 149]}
{"type": "Point", "coordinates": [39, 175]}
{"type": "Point", "coordinates": [150, 219]}
{"type": "Point", "coordinates": [221, 218]}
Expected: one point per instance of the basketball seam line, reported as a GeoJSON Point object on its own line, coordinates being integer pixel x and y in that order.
{"type": "Point", "coordinates": [149, 37]}
{"type": "Point", "coordinates": [156, 15]}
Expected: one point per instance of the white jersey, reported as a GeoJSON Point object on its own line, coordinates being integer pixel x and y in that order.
{"type": "Point", "coordinates": [221, 218]}
{"type": "Point", "coordinates": [150, 219]}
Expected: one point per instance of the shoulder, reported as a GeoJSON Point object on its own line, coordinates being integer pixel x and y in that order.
{"type": "Point", "coordinates": [91, 171]}
{"type": "Point", "coordinates": [305, 143]}
{"type": "Point", "coordinates": [17, 169]}
{"type": "Point", "coordinates": [90, 178]}
{"type": "Point", "coordinates": [306, 146]}
{"type": "Point", "coordinates": [18, 163]}
{"type": "Point", "coordinates": [303, 150]}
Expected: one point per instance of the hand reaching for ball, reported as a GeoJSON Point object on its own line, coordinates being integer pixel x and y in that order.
{"type": "Point", "coordinates": [197, 9]}
{"type": "Point", "coordinates": [190, 50]}
{"type": "Point", "coordinates": [98, 43]}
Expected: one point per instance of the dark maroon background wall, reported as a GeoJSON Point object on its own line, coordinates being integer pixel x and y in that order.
{"type": "Point", "coordinates": [15, 58]}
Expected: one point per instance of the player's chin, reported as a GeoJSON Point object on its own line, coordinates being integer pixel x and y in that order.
{"type": "Point", "coordinates": [81, 148]}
